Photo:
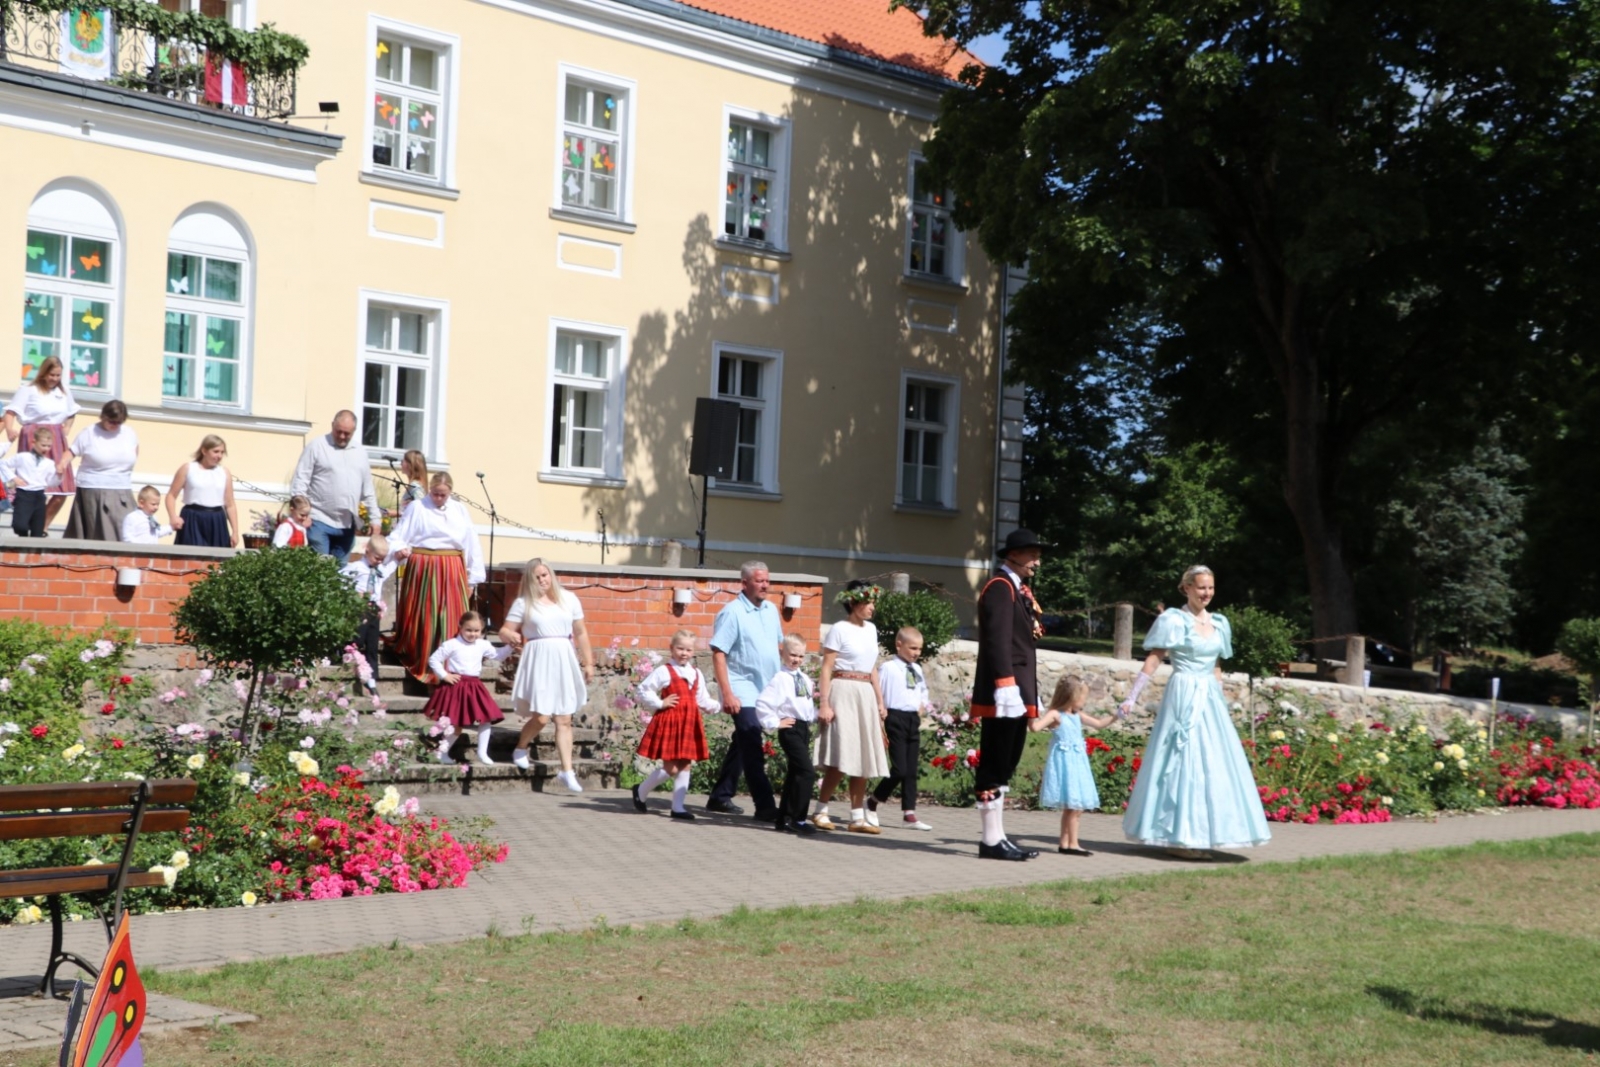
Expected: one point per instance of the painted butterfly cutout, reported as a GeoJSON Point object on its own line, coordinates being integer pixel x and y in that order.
{"type": "Point", "coordinates": [35, 251]}
{"type": "Point", "coordinates": [92, 379]}
{"type": "Point", "coordinates": [214, 345]}
{"type": "Point", "coordinates": [427, 119]}
{"type": "Point", "coordinates": [180, 285]}
{"type": "Point", "coordinates": [92, 320]}
{"type": "Point", "coordinates": [383, 48]}
{"type": "Point", "coordinates": [91, 261]}
{"type": "Point", "coordinates": [27, 320]}
{"type": "Point", "coordinates": [47, 267]}
{"type": "Point", "coordinates": [572, 187]}
{"type": "Point", "coordinates": [107, 1032]}
{"type": "Point", "coordinates": [82, 363]}
{"type": "Point", "coordinates": [411, 125]}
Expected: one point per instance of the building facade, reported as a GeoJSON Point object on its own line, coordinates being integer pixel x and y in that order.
{"type": "Point", "coordinates": [529, 236]}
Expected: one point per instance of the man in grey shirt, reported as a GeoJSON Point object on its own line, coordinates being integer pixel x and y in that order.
{"type": "Point", "coordinates": [335, 474]}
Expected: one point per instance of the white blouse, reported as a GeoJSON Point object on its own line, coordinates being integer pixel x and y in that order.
{"type": "Point", "coordinates": [31, 406]}
{"type": "Point", "coordinates": [426, 525]}
{"type": "Point", "coordinates": [654, 686]}
{"type": "Point", "coordinates": [787, 696]}
{"type": "Point", "coordinates": [107, 458]}
{"type": "Point", "coordinates": [545, 619]}
{"type": "Point", "coordinates": [465, 658]}
{"type": "Point", "coordinates": [857, 646]}
{"type": "Point", "coordinates": [205, 488]}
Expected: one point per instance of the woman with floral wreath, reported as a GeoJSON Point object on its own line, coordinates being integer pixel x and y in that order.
{"type": "Point", "coordinates": [850, 708]}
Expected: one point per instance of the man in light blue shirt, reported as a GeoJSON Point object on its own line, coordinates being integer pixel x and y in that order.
{"type": "Point", "coordinates": [746, 651]}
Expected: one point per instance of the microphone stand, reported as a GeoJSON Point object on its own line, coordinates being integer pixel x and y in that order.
{"type": "Point", "coordinates": [602, 513]}
{"type": "Point", "coordinates": [494, 518]}
{"type": "Point", "coordinates": [397, 480]}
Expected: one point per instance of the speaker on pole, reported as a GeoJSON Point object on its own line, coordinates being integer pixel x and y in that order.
{"type": "Point", "coordinates": [716, 434]}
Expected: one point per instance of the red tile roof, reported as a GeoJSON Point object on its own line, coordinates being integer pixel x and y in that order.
{"type": "Point", "coordinates": [866, 27]}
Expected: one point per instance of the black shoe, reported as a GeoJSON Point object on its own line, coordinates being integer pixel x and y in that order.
{"type": "Point", "coordinates": [724, 807]}
{"type": "Point", "coordinates": [689, 815]}
{"type": "Point", "coordinates": [1074, 852]}
{"type": "Point", "coordinates": [769, 815]}
{"type": "Point", "coordinates": [783, 826]}
{"type": "Point", "coordinates": [1000, 851]}
{"type": "Point", "coordinates": [803, 829]}
{"type": "Point", "coordinates": [638, 801]}
{"type": "Point", "coordinates": [1027, 853]}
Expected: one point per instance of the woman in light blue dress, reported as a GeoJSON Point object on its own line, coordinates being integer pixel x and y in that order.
{"type": "Point", "coordinates": [1194, 790]}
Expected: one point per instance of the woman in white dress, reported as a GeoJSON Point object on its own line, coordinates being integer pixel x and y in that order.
{"type": "Point", "coordinates": [546, 623]}
{"type": "Point", "coordinates": [106, 453]}
{"type": "Point", "coordinates": [45, 405]}
{"type": "Point", "coordinates": [850, 707]}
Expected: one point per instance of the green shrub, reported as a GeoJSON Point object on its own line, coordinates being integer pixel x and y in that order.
{"type": "Point", "coordinates": [926, 610]}
{"type": "Point", "coordinates": [1261, 641]}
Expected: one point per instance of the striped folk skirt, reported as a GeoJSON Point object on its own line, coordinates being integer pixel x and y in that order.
{"type": "Point", "coordinates": [431, 602]}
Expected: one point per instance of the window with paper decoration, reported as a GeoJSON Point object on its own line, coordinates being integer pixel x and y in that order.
{"type": "Point", "coordinates": [69, 291]}
{"type": "Point", "coordinates": [593, 137]}
{"type": "Point", "coordinates": [206, 333]}
{"type": "Point", "coordinates": [407, 106]}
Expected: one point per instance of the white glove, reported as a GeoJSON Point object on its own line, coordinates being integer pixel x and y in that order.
{"type": "Point", "coordinates": [1128, 705]}
{"type": "Point", "coordinates": [1008, 703]}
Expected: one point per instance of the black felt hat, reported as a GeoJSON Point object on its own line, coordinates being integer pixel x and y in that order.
{"type": "Point", "coordinates": [1019, 539]}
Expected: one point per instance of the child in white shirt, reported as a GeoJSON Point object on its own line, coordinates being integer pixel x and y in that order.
{"type": "Point", "coordinates": [905, 696]}
{"type": "Point", "coordinates": [788, 705]}
{"type": "Point", "coordinates": [368, 574]}
{"type": "Point", "coordinates": [29, 474]}
{"type": "Point", "coordinates": [676, 735]}
{"type": "Point", "coordinates": [292, 527]}
{"type": "Point", "coordinates": [461, 699]}
{"type": "Point", "coordinates": [139, 527]}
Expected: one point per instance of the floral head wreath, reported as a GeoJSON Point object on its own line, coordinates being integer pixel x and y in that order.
{"type": "Point", "coordinates": [851, 597]}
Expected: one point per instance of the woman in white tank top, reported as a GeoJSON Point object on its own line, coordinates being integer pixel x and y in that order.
{"type": "Point", "coordinates": [209, 518]}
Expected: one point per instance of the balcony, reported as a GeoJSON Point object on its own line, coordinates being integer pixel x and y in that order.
{"type": "Point", "coordinates": [140, 47]}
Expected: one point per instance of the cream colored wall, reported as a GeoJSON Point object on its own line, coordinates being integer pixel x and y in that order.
{"type": "Point", "coordinates": [840, 320]}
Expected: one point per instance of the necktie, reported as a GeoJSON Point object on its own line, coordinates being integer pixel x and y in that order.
{"type": "Point", "coordinates": [800, 689]}
{"type": "Point", "coordinates": [155, 528]}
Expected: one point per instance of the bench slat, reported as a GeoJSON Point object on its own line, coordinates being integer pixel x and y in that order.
{"type": "Point", "coordinates": [93, 794]}
{"type": "Point", "coordinates": [49, 881]}
{"type": "Point", "coordinates": [38, 825]}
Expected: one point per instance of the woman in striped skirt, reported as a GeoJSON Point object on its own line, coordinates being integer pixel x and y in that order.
{"type": "Point", "coordinates": [436, 538]}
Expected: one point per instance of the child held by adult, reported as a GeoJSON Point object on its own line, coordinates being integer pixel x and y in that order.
{"type": "Point", "coordinates": [140, 527]}
{"type": "Point", "coordinates": [368, 573]}
{"type": "Point", "coordinates": [293, 523]}
{"type": "Point", "coordinates": [905, 695]}
{"type": "Point", "coordinates": [461, 699]}
{"type": "Point", "coordinates": [1068, 779]}
{"type": "Point", "coordinates": [674, 692]}
{"type": "Point", "coordinates": [786, 705]}
{"type": "Point", "coordinates": [30, 475]}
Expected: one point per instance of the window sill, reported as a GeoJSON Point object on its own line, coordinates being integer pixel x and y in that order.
{"type": "Point", "coordinates": [753, 249]}
{"type": "Point", "coordinates": [933, 511]}
{"type": "Point", "coordinates": [929, 281]}
{"type": "Point", "coordinates": [381, 457]}
{"type": "Point", "coordinates": [742, 493]}
{"type": "Point", "coordinates": [599, 222]}
{"type": "Point", "coordinates": [233, 419]}
{"type": "Point", "coordinates": [593, 481]}
{"type": "Point", "coordinates": [410, 185]}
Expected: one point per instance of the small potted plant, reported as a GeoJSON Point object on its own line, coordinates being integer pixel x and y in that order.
{"type": "Point", "coordinates": [262, 525]}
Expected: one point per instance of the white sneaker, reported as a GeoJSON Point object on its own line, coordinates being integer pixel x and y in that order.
{"type": "Point", "coordinates": [913, 823]}
{"type": "Point", "coordinates": [570, 780]}
{"type": "Point", "coordinates": [519, 756]}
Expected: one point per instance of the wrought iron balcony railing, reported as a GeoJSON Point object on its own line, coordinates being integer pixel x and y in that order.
{"type": "Point", "coordinates": [140, 46]}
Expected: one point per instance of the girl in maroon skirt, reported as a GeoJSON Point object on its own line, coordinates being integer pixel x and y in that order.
{"type": "Point", "coordinates": [675, 692]}
{"type": "Point", "coordinates": [461, 699]}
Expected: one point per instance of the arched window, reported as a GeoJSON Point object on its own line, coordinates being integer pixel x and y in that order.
{"type": "Point", "coordinates": [206, 343]}
{"type": "Point", "coordinates": [72, 277]}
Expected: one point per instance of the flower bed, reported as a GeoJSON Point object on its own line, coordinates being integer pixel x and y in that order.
{"type": "Point", "coordinates": [291, 819]}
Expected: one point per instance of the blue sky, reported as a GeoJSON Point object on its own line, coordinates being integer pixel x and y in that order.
{"type": "Point", "coordinates": [989, 49]}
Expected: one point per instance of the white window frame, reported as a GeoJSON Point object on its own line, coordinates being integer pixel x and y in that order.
{"type": "Point", "coordinates": [777, 238]}
{"type": "Point", "coordinates": [771, 407]}
{"type": "Point", "coordinates": [951, 388]}
{"type": "Point", "coordinates": [955, 259]}
{"type": "Point", "coordinates": [67, 289]}
{"type": "Point", "coordinates": [193, 303]}
{"type": "Point", "coordinates": [448, 47]}
{"type": "Point", "coordinates": [241, 13]}
{"type": "Point", "coordinates": [626, 90]}
{"type": "Point", "coordinates": [610, 473]}
{"type": "Point", "coordinates": [437, 364]}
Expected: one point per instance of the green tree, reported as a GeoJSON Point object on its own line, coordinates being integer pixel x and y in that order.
{"type": "Point", "coordinates": [273, 612]}
{"type": "Point", "coordinates": [1329, 219]}
{"type": "Point", "coordinates": [1261, 641]}
{"type": "Point", "coordinates": [1579, 641]}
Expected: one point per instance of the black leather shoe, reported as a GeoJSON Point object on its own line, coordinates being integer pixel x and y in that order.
{"type": "Point", "coordinates": [770, 815]}
{"type": "Point", "coordinates": [686, 815]}
{"type": "Point", "coordinates": [1027, 853]}
{"type": "Point", "coordinates": [1074, 852]}
{"type": "Point", "coordinates": [1003, 851]}
{"type": "Point", "coordinates": [724, 807]}
{"type": "Point", "coordinates": [638, 801]}
{"type": "Point", "coordinates": [803, 829]}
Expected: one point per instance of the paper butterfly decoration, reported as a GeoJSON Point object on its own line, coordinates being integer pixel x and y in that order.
{"type": "Point", "coordinates": [427, 119]}
{"type": "Point", "coordinates": [47, 267]}
{"type": "Point", "coordinates": [110, 1025]}
{"type": "Point", "coordinates": [82, 363]}
{"type": "Point", "coordinates": [214, 345]}
{"type": "Point", "coordinates": [91, 261]}
{"type": "Point", "coordinates": [383, 48]}
{"type": "Point", "coordinates": [412, 124]}
{"type": "Point", "coordinates": [27, 319]}
{"type": "Point", "coordinates": [180, 285]}
{"type": "Point", "coordinates": [572, 187]}
{"type": "Point", "coordinates": [92, 320]}
{"type": "Point", "coordinates": [92, 379]}
{"type": "Point", "coordinates": [35, 251]}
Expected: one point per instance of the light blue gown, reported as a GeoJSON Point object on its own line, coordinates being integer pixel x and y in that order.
{"type": "Point", "coordinates": [1194, 788]}
{"type": "Point", "coordinates": [1068, 778]}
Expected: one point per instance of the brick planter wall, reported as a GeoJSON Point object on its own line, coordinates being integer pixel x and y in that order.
{"type": "Point", "coordinates": [636, 602]}
{"type": "Point", "coordinates": [74, 583]}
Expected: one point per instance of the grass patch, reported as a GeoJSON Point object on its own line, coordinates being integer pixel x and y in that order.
{"type": "Point", "coordinates": [1467, 956]}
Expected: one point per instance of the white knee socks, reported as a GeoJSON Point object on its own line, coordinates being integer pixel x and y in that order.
{"type": "Point", "coordinates": [651, 780]}
{"type": "Point", "coordinates": [483, 746]}
{"type": "Point", "coordinates": [992, 813]}
{"type": "Point", "coordinates": [447, 737]}
{"type": "Point", "coordinates": [680, 789]}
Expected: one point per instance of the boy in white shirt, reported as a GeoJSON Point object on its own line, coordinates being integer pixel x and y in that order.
{"type": "Point", "coordinates": [905, 695]}
{"type": "Point", "coordinates": [368, 574]}
{"type": "Point", "coordinates": [29, 474]}
{"type": "Point", "coordinates": [140, 527]}
{"type": "Point", "coordinates": [788, 706]}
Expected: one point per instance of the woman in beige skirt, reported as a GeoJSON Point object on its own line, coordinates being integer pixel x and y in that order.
{"type": "Point", "coordinates": [850, 709]}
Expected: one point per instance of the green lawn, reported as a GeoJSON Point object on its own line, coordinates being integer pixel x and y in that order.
{"type": "Point", "coordinates": [1482, 955]}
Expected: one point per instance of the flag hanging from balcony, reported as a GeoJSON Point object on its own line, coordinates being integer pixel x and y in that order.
{"type": "Point", "coordinates": [225, 82]}
{"type": "Point", "coordinates": [88, 43]}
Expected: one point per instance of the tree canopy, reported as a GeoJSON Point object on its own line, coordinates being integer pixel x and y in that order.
{"type": "Point", "coordinates": [1340, 237]}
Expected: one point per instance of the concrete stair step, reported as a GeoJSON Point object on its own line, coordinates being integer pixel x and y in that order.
{"type": "Point", "coordinates": [471, 776]}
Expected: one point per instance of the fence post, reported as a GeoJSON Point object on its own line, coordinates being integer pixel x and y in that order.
{"type": "Point", "coordinates": [672, 554]}
{"type": "Point", "coordinates": [1355, 660]}
{"type": "Point", "coordinates": [1122, 634]}
{"type": "Point", "coordinates": [899, 582]}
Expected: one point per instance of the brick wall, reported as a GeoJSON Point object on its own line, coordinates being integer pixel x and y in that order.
{"type": "Point", "coordinates": [74, 583]}
{"type": "Point", "coordinates": [637, 602]}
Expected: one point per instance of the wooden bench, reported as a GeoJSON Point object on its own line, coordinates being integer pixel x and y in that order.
{"type": "Point", "coordinates": [88, 809]}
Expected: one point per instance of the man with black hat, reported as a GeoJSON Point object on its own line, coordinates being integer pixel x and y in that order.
{"type": "Point", "coordinates": [1005, 690]}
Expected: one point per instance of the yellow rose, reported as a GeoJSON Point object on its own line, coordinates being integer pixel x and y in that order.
{"type": "Point", "coordinates": [248, 899]}
{"type": "Point", "coordinates": [1438, 766]}
{"type": "Point", "coordinates": [1333, 739]}
{"type": "Point", "coordinates": [71, 754]}
{"type": "Point", "coordinates": [179, 860]}
{"type": "Point", "coordinates": [309, 767]}
{"type": "Point", "coordinates": [29, 914]}
{"type": "Point", "coordinates": [1387, 801]}
{"type": "Point", "coordinates": [242, 778]}
{"type": "Point", "coordinates": [1463, 764]}
{"type": "Point", "coordinates": [1276, 735]}
{"type": "Point", "coordinates": [1383, 757]}
{"type": "Point", "coordinates": [196, 761]}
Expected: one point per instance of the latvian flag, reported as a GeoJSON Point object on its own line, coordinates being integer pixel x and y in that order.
{"type": "Point", "coordinates": [225, 83]}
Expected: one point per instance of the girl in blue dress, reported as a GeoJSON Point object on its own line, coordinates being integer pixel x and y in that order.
{"type": "Point", "coordinates": [1194, 790]}
{"type": "Point", "coordinates": [1068, 778]}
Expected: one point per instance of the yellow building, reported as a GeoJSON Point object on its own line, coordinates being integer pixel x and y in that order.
{"type": "Point", "coordinates": [524, 236]}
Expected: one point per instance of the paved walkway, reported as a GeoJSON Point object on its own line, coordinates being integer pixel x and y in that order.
{"type": "Point", "coordinates": [576, 860]}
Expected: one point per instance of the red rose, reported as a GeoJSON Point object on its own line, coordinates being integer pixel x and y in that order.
{"type": "Point", "coordinates": [117, 742]}
{"type": "Point", "coordinates": [40, 730]}
{"type": "Point", "coordinates": [126, 679]}
{"type": "Point", "coordinates": [107, 708]}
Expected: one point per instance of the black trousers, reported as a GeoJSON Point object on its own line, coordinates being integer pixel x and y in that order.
{"type": "Point", "coordinates": [745, 758]}
{"type": "Point", "coordinates": [905, 758]}
{"type": "Point", "coordinates": [800, 776]}
{"type": "Point", "coordinates": [1000, 745]}
{"type": "Point", "coordinates": [367, 638]}
{"type": "Point", "coordinates": [27, 513]}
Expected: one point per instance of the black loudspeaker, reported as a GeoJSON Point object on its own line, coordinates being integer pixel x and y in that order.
{"type": "Point", "coordinates": [716, 433]}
